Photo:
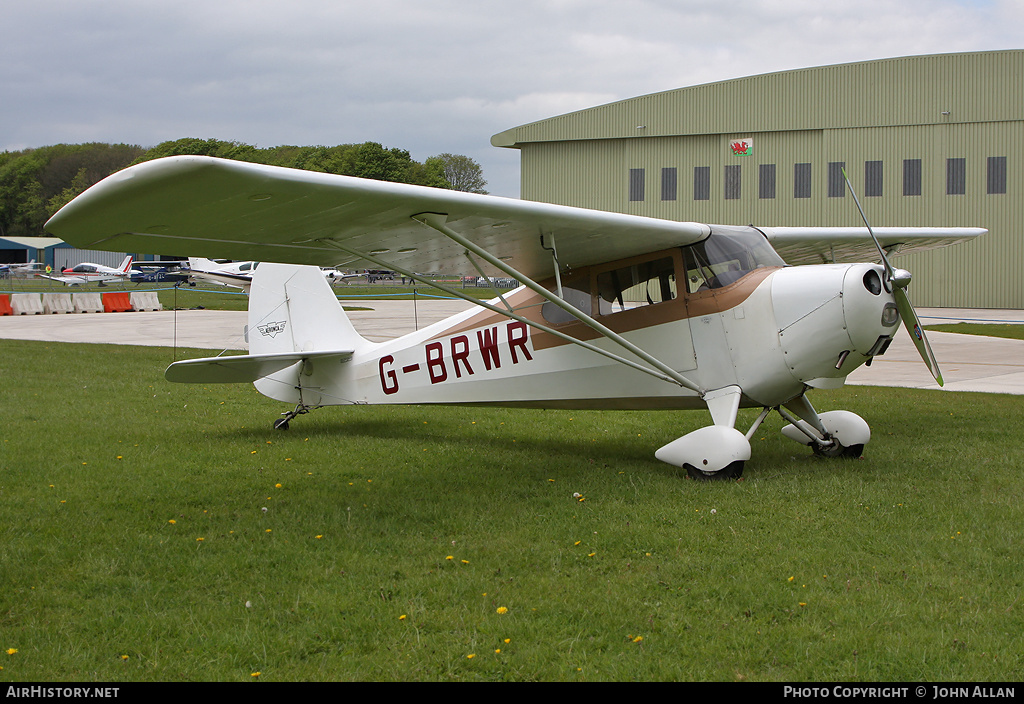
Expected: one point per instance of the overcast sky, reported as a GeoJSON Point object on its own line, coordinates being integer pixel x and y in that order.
{"type": "Point", "coordinates": [426, 76]}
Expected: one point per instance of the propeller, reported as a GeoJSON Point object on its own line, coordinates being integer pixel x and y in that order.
{"type": "Point", "coordinates": [897, 281]}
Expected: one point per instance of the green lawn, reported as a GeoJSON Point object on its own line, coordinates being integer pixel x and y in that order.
{"type": "Point", "coordinates": [164, 532]}
{"type": "Point", "coordinates": [1011, 331]}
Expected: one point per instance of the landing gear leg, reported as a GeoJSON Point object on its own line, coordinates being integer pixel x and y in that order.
{"type": "Point", "coordinates": [282, 423]}
{"type": "Point", "coordinates": [831, 434]}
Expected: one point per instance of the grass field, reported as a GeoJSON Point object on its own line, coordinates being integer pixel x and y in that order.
{"type": "Point", "coordinates": [1007, 330]}
{"type": "Point", "coordinates": [164, 532]}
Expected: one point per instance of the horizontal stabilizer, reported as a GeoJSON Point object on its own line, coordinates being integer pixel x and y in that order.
{"type": "Point", "coordinates": [240, 369]}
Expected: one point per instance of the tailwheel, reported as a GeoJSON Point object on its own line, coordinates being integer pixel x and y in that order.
{"type": "Point", "coordinates": [733, 470]}
{"type": "Point", "coordinates": [282, 423]}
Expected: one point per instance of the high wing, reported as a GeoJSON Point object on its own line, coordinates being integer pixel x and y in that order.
{"type": "Point", "coordinates": [821, 245]}
{"type": "Point", "coordinates": [220, 208]}
{"type": "Point", "coordinates": [228, 209]}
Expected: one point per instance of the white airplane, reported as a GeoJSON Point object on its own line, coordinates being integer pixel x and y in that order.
{"type": "Point", "coordinates": [239, 274]}
{"type": "Point", "coordinates": [615, 311]}
{"type": "Point", "coordinates": [235, 274]}
{"type": "Point", "coordinates": [87, 273]}
{"type": "Point", "coordinates": [16, 269]}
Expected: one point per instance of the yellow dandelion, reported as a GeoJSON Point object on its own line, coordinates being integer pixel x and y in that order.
{"type": "Point", "coordinates": [119, 457]}
{"type": "Point", "coordinates": [319, 536]}
{"type": "Point", "coordinates": [465, 562]}
{"type": "Point", "coordinates": [638, 639]}
{"type": "Point", "coordinates": [450, 557]}
{"type": "Point", "coordinates": [791, 579]}
{"type": "Point", "coordinates": [255, 674]}
{"type": "Point", "coordinates": [253, 453]}
{"type": "Point", "coordinates": [803, 603]}
{"type": "Point", "coordinates": [268, 530]}
{"type": "Point", "coordinates": [577, 543]}
{"type": "Point", "coordinates": [591, 554]}
{"type": "Point", "coordinates": [172, 521]}
{"type": "Point", "coordinates": [497, 650]}
{"type": "Point", "coordinates": [124, 657]}
{"type": "Point", "coordinates": [502, 609]}
{"type": "Point", "coordinates": [199, 540]}
{"type": "Point", "coordinates": [402, 617]}
{"type": "Point", "coordinates": [12, 651]}
{"type": "Point", "coordinates": [471, 656]}
{"type": "Point", "coordinates": [277, 486]}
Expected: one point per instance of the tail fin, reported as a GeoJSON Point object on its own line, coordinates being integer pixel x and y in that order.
{"type": "Point", "coordinates": [295, 323]}
{"type": "Point", "coordinates": [126, 264]}
{"type": "Point", "coordinates": [293, 309]}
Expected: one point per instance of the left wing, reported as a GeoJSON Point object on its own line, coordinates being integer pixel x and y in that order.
{"type": "Point", "coordinates": [219, 208]}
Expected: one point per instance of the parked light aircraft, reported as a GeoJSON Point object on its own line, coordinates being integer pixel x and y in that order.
{"type": "Point", "coordinates": [235, 274]}
{"type": "Point", "coordinates": [20, 269]}
{"type": "Point", "coordinates": [614, 311]}
{"type": "Point", "coordinates": [239, 274]}
{"type": "Point", "coordinates": [87, 273]}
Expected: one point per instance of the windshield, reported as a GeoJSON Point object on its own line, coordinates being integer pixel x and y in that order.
{"type": "Point", "coordinates": [726, 256]}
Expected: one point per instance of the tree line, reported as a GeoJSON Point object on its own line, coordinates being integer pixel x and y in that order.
{"type": "Point", "coordinates": [36, 183]}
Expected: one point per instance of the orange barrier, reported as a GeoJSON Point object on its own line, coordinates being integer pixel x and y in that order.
{"type": "Point", "coordinates": [5, 305]}
{"type": "Point", "coordinates": [117, 302]}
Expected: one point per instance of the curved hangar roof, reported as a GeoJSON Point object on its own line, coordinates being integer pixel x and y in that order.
{"type": "Point", "coordinates": [914, 90]}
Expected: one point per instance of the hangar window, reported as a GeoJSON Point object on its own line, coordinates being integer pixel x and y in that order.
{"type": "Point", "coordinates": [766, 181]}
{"type": "Point", "coordinates": [836, 182]}
{"type": "Point", "coordinates": [702, 183]}
{"type": "Point", "coordinates": [956, 177]}
{"type": "Point", "coordinates": [872, 178]}
{"type": "Point", "coordinates": [733, 176]}
{"type": "Point", "coordinates": [669, 182]}
{"type": "Point", "coordinates": [911, 177]}
{"type": "Point", "coordinates": [636, 184]}
{"type": "Point", "coordinates": [802, 181]}
{"type": "Point", "coordinates": [996, 175]}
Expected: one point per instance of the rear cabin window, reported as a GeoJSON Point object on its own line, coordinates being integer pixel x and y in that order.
{"type": "Point", "coordinates": [643, 284]}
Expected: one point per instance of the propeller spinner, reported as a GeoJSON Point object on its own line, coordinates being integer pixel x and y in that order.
{"type": "Point", "coordinates": [897, 281]}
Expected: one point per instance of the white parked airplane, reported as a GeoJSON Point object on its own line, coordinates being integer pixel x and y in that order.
{"type": "Point", "coordinates": [87, 273]}
{"type": "Point", "coordinates": [16, 269]}
{"type": "Point", "coordinates": [236, 274]}
{"type": "Point", "coordinates": [615, 311]}
{"type": "Point", "coordinates": [239, 274]}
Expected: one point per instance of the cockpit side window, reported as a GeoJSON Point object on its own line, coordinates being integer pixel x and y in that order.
{"type": "Point", "coordinates": [725, 257]}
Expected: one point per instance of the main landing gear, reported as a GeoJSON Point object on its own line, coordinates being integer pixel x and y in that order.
{"type": "Point", "coordinates": [719, 451]}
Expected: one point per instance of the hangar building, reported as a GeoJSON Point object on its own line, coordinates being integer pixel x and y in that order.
{"type": "Point", "coordinates": [927, 141]}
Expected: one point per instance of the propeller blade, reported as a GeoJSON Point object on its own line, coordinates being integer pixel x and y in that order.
{"type": "Point", "coordinates": [898, 284]}
{"type": "Point", "coordinates": [913, 325]}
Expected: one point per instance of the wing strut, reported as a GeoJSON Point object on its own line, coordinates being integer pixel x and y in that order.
{"type": "Point", "coordinates": [437, 222]}
{"type": "Point", "coordinates": [507, 313]}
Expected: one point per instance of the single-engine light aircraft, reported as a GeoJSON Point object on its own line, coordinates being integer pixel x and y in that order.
{"type": "Point", "coordinates": [615, 311]}
{"type": "Point", "coordinates": [87, 273]}
{"type": "Point", "coordinates": [239, 274]}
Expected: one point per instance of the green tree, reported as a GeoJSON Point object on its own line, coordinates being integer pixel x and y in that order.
{"type": "Point", "coordinates": [462, 172]}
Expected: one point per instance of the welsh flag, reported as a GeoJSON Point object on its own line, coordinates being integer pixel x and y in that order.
{"type": "Point", "coordinates": [742, 147]}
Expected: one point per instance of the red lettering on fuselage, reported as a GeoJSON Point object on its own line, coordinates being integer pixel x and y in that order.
{"type": "Point", "coordinates": [435, 363]}
{"type": "Point", "coordinates": [487, 339]}
{"type": "Point", "coordinates": [517, 336]}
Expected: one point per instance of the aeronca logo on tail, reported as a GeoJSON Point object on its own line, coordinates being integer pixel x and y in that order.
{"type": "Point", "coordinates": [457, 357]}
{"type": "Point", "coordinates": [272, 329]}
